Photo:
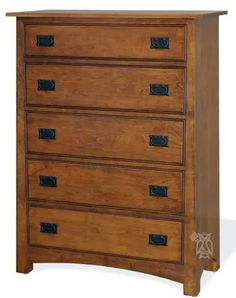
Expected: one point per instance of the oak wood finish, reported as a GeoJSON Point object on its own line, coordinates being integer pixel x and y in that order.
{"type": "Point", "coordinates": [142, 213]}
{"type": "Point", "coordinates": [23, 264]}
{"type": "Point", "coordinates": [106, 87]}
{"type": "Point", "coordinates": [173, 271]}
{"type": "Point", "coordinates": [116, 14]}
{"type": "Point", "coordinates": [207, 138]}
{"type": "Point", "coordinates": [100, 61]}
{"type": "Point", "coordinates": [105, 233]}
{"type": "Point", "coordinates": [87, 184]}
{"type": "Point", "coordinates": [191, 269]}
{"type": "Point", "coordinates": [107, 41]}
{"type": "Point", "coordinates": [106, 137]}
{"type": "Point", "coordinates": [102, 151]}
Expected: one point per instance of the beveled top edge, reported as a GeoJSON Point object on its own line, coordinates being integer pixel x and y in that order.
{"type": "Point", "coordinates": [117, 14]}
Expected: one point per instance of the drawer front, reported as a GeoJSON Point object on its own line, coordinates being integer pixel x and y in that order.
{"type": "Point", "coordinates": [105, 185]}
{"type": "Point", "coordinates": [104, 233]}
{"type": "Point", "coordinates": [106, 87]}
{"type": "Point", "coordinates": [126, 138]}
{"type": "Point", "coordinates": [136, 42]}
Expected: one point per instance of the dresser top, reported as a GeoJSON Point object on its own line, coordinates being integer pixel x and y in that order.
{"type": "Point", "coordinates": [116, 14]}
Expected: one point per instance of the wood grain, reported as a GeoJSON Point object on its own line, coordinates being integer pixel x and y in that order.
{"type": "Point", "coordinates": [106, 41]}
{"type": "Point", "coordinates": [23, 264]}
{"type": "Point", "coordinates": [168, 270]}
{"type": "Point", "coordinates": [110, 162]}
{"type": "Point", "coordinates": [106, 87]}
{"type": "Point", "coordinates": [106, 234]}
{"type": "Point", "coordinates": [207, 138]}
{"type": "Point", "coordinates": [104, 62]}
{"type": "Point", "coordinates": [191, 268]}
{"type": "Point", "coordinates": [104, 115]}
{"type": "Point", "coordinates": [127, 187]}
{"type": "Point", "coordinates": [101, 14]}
{"type": "Point", "coordinates": [104, 112]}
{"type": "Point", "coordinates": [106, 137]}
{"type": "Point", "coordinates": [141, 213]}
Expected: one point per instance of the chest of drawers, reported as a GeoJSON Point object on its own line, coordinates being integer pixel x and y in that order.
{"type": "Point", "coordinates": [117, 141]}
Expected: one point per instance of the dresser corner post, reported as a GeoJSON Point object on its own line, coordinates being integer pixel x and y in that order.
{"type": "Point", "coordinates": [192, 288]}
{"type": "Point", "coordinates": [207, 139]}
{"type": "Point", "coordinates": [202, 153]}
{"type": "Point", "coordinates": [23, 263]}
{"type": "Point", "coordinates": [192, 268]}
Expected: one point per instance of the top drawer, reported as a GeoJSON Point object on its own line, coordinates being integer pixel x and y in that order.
{"type": "Point", "coordinates": [103, 41]}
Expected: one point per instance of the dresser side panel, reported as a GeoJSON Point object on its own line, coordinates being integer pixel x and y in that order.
{"type": "Point", "coordinates": [207, 135]}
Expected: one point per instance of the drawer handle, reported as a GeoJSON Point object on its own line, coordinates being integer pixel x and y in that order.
{"type": "Point", "coordinates": [159, 90]}
{"type": "Point", "coordinates": [155, 239]}
{"type": "Point", "coordinates": [45, 40]}
{"type": "Point", "coordinates": [46, 85]}
{"type": "Point", "coordinates": [47, 133]}
{"type": "Point", "coordinates": [48, 181]}
{"type": "Point", "coordinates": [158, 191]}
{"type": "Point", "coordinates": [158, 141]}
{"type": "Point", "coordinates": [160, 43]}
{"type": "Point", "coordinates": [49, 228]}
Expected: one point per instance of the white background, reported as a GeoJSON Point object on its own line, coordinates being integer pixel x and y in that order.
{"type": "Point", "coordinates": [67, 280]}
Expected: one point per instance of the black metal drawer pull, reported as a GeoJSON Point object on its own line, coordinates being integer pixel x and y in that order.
{"type": "Point", "coordinates": [45, 40]}
{"type": "Point", "coordinates": [49, 228]}
{"type": "Point", "coordinates": [47, 133]}
{"type": "Point", "coordinates": [159, 89]}
{"type": "Point", "coordinates": [160, 43]}
{"type": "Point", "coordinates": [46, 85]}
{"type": "Point", "coordinates": [48, 181]}
{"type": "Point", "coordinates": [158, 141]}
{"type": "Point", "coordinates": [158, 191]}
{"type": "Point", "coordinates": [155, 239]}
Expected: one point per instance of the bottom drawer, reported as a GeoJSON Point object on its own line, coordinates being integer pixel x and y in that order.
{"type": "Point", "coordinates": [106, 233]}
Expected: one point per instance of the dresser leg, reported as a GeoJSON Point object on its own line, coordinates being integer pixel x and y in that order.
{"type": "Point", "coordinates": [211, 265]}
{"type": "Point", "coordinates": [23, 266]}
{"type": "Point", "coordinates": [192, 287]}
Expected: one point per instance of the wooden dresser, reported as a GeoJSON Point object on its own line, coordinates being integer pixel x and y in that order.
{"type": "Point", "coordinates": [117, 141]}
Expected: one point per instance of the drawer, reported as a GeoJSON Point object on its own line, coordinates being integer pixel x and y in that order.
{"type": "Point", "coordinates": [125, 138]}
{"type": "Point", "coordinates": [105, 185]}
{"type": "Point", "coordinates": [111, 41]}
{"type": "Point", "coordinates": [106, 87]}
{"type": "Point", "coordinates": [105, 233]}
